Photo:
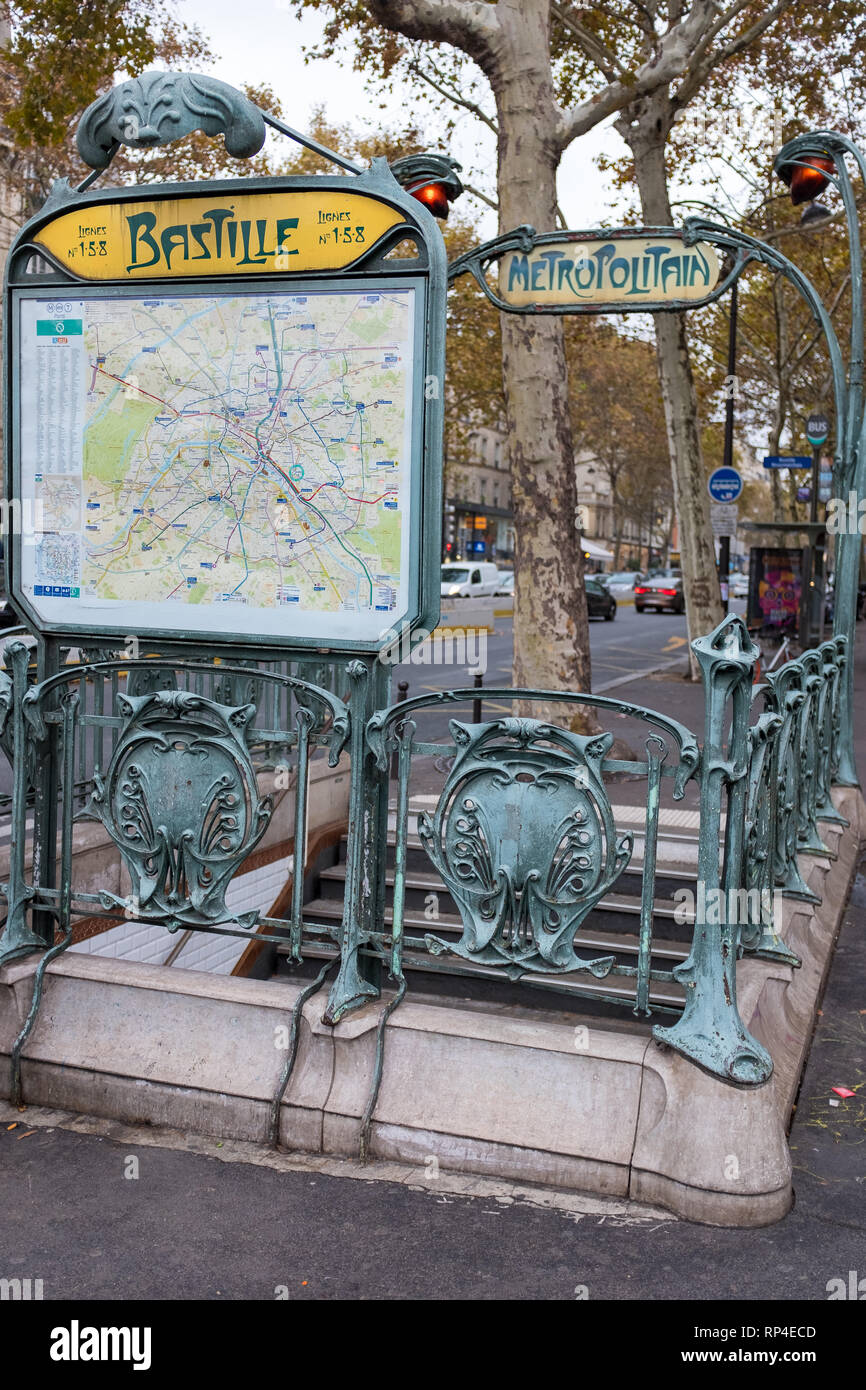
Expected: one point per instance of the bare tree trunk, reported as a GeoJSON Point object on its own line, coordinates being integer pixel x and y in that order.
{"type": "Point", "coordinates": [510, 41]}
{"type": "Point", "coordinates": [645, 130]}
{"type": "Point", "coordinates": [551, 632]}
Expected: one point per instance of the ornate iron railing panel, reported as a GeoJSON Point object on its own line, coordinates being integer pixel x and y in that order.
{"type": "Point", "coordinates": [794, 761]}
{"type": "Point", "coordinates": [243, 681]}
{"type": "Point", "coordinates": [524, 841]}
{"type": "Point", "coordinates": [168, 754]}
{"type": "Point", "coordinates": [172, 775]}
{"type": "Point", "coordinates": [805, 696]}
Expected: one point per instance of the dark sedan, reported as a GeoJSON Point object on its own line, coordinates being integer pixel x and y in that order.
{"type": "Point", "coordinates": [600, 602]}
{"type": "Point", "coordinates": [662, 591]}
{"type": "Point", "coordinates": [8, 616]}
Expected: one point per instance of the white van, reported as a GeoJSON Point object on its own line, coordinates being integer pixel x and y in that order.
{"type": "Point", "coordinates": [469, 579]}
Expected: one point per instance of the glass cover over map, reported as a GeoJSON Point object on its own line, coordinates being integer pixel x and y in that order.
{"type": "Point", "coordinates": [224, 463]}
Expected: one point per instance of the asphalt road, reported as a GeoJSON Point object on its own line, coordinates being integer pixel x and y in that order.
{"type": "Point", "coordinates": [632, 642]}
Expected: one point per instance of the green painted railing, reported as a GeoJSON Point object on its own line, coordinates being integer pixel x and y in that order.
{"type": "Point", "coordinates": [168, 755]}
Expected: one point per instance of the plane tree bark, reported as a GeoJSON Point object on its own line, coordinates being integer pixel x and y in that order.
{"type": "Point", "coordinates": [511, 43]}
{"type": "Point", "coordinates": [555, 71]}
{"type": "Point", "coordinates": [645, 128]}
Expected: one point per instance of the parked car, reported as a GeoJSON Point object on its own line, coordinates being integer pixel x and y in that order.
{"type": "Point", "coordinates": [621, 579]}
{"type": "Point", "coordinates": [8, 616]}
{"type": "Point", "coordinates": [665, 590]}
{"type": "Point", "coordinates": [600, 602]}
{"type": "Point", "coordinates": [469, 580]}
{"type": "Point", "coordinates": [506, 582]}
{"type": "Point", "coordinates": [739, 586]}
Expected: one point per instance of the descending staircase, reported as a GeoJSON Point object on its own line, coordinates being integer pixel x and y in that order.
{"type": "Point", "coordinates": [612, 928]}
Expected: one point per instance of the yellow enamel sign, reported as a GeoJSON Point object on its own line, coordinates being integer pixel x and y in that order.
{"type": "Point", "coordinates": [218, 234]}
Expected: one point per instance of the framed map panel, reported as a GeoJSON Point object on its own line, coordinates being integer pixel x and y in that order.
{"type": "Point", "coordinates": [205, 462]}
{"type": "Point", "coordinates": [224, 413]}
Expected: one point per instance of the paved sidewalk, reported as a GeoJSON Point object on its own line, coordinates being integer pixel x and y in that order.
{"type": "Point", "coordinates": [220, 1223]}
{"type": "Point", "coordinates": [670, 693]}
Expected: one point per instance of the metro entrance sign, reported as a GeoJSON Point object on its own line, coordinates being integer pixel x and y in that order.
{"type": "Point", "coordinates": [625, 270]}
{"type": "Point", "coordinates": [216, 403]}
{"type": "Point", "coordinates": [570, 271]}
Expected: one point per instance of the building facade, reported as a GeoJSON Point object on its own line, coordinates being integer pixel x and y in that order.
{"type": "Point", "coordinates": [479, 520]}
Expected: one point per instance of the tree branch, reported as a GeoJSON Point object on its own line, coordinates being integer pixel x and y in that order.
{"type": "Point", "coordinates": [671, 62]}
{"type": "Point", "coordinates": [450, 94]}
{"type": "Point", "coordinates": [605, 61]}
{"type": "Point", "coordinates": [795, 359]}
{"type": "Point", "coordinates": [703, 61]}
{"type": "Point", "coordinates": [468, 24]}
{"type": "Point", "coordinates": [476, 193]}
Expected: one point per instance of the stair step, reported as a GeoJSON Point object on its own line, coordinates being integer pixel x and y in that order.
{"type": "Point", "coordinates": [415, 923]}
{"type": "Point", "coordinates": [666, 867]}
{"type": "Point", "coordinates": [431, 883]}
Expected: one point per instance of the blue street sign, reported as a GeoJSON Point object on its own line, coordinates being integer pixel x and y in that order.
{"type": "Point", "coordinates": [725, 485]}
{"type": "Point", "coordinates": [787, 461]}
{"type": "Point", "coordinates": [479, 547]}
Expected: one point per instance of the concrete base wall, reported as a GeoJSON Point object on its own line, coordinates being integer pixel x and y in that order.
{"type": "Point", "coordinates": [489, 1089]}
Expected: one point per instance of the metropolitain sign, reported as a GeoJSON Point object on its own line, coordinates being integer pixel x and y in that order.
{"type": "Point", "coordinates": [620, 269]}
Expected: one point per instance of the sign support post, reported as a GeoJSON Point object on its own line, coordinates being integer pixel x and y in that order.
{"type": "Point", "coordinates": [728, 453]}
{"type": "Point", "coordinates": [812, 609]}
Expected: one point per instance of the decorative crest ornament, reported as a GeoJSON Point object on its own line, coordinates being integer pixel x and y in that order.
{"type": "Point", "coordinates": [162, 106]}
{"type": "Point", "coordinates": [181, 803]}
{"type": "Point", "coordinates": [524, 839]}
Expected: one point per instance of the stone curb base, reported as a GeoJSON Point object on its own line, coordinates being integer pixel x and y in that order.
{"type": "Point", "coordinates": [498, 1091]}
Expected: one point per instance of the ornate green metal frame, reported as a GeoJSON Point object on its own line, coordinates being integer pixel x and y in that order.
{"type": "Point", "coordinates": [526, 239]}
{"type": "Point", "coordinates": [743, 250]}
{"type": "Point", "coordinates": [170, 752]}
{"type": "Point", "coordinates": [428, 282]}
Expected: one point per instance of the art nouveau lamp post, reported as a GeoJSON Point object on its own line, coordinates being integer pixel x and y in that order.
{"type": "Point", "coordinates": [808, 164]}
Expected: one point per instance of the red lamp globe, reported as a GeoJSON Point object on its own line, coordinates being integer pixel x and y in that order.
{"type": "Point", "coordinates": [809, 181]}
{"type": "Point", "coordinates": [433, 196]}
